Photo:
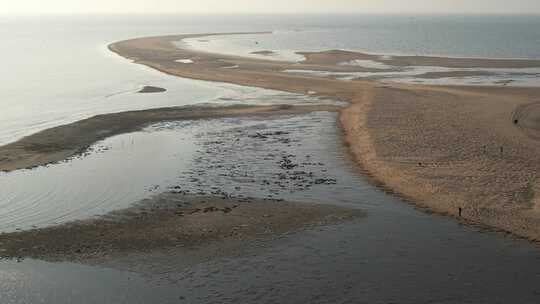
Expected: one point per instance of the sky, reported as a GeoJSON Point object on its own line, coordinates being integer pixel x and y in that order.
{"type": "Point", "coordinates": [268, 6]}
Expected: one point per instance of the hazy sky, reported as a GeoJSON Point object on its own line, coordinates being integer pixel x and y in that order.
{"type": "Point", "coordinates": [268, 6]}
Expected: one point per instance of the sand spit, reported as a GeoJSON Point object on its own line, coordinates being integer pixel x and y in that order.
{"type": "Point", "coordinates": [169, 221]}
{"type": "Point", "coordinates": [59, 143]}
{"type": "Point", "coordinates": [444, 147]}
{"type": "Point", "coordinates": [448, 149]}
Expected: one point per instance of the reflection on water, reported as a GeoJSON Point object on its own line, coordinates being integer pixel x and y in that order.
{"type": "Point", "coordinates": [120, 171]}
{"type": "Point", "coordinates": [394, 255]}
{"type": "Point", "coordinates": [39, 282]}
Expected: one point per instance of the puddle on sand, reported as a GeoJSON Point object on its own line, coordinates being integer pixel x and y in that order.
{"type": "Point", "coordinates": [394, 255]}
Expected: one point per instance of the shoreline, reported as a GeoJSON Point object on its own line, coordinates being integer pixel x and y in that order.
{"type": "Point", "coordinates": [405, 175]}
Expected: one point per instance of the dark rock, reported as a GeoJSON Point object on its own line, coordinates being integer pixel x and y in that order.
{"type": "Point", "coordinates": [151, 89]}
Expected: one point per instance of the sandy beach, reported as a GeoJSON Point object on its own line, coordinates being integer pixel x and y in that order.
{"type": "Point", "coordinates": [444, 148]}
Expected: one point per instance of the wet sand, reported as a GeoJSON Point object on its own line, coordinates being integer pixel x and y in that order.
{"type": "Point", "coordinates": [445, 148]}
{"type": "Point", "coordinates": [168, 221]}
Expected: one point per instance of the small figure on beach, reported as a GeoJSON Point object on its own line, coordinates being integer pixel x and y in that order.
{"type": "Point", "coordinates": [460, 211]}
{"type": "Point", "coordinates": [502, 151]}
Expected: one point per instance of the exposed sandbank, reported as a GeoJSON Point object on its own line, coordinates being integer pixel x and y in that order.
{"type": "Point", "coordinates": [59, 143]}
{"type": "Point", "coordinates": [151, 89]}
{"type": "Point", "coordinates": [169, 221]}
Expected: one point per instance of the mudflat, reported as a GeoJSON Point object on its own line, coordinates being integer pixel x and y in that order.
{"type": "Point", "coordinates": [59, 143]}
{"type": "Point", "coordinates": [170, 221]}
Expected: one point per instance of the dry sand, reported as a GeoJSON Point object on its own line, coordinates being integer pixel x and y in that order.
{"type": "Point", "coordinates": [439, 146]}
{"type": "Point", "coordinates": [451, 148]}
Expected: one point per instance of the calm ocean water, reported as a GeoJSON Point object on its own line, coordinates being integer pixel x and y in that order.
{"type": "Point", "coordinates": [57, 70]}
{"type": "Point", "coordinates": [452, 36]}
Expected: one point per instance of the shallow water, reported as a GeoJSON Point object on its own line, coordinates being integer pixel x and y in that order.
{"type": "Point", "coordinates": [394, 255]}
{"type": "Point", "coordinates": [522, 77]}
{"type": "Point", "coordinates": [41, 282]}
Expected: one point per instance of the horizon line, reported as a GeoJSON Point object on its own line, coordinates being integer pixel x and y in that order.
{"type": "Point", "coordinates": [420, 13]}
